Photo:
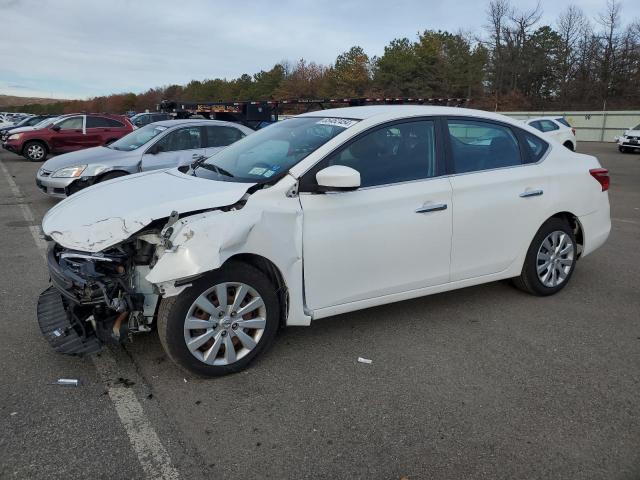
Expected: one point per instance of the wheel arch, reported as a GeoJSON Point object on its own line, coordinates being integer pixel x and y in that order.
{"type": "Point", "coordinates": [108, 172]}
{"type": "Point", "coordinates": [36, 140]}
{"type": "Point", "coordinates": [575, 224]}
{"type": "Point", "coordinates": [571, 145]}
{"type": "Point", "coordinates": [272, 272]}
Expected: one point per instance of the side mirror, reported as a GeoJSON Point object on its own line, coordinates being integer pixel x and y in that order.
{"type": "Point", "coordinates": [56, 128]}
{"type": "Point", "coordinates": [157, 148]}
{"type": "Point", "coordinates": [338, 178]}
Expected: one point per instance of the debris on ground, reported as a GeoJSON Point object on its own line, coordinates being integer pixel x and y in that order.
{"type": "Point", "coordinates": [125, 382]}
{"type": "Point", "coordinates": [67, 382]}
{"type": "Point", "coordinates": [365, 360]}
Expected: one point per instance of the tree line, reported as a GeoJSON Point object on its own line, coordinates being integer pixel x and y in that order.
{"type": "Point", "coordinates": [514, 63]}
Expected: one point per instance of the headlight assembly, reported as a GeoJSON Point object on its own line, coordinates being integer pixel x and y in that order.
{"type": "Point", "coordinates": [15, 136]}
{"type": "Point", "coordinates": [69, 172]}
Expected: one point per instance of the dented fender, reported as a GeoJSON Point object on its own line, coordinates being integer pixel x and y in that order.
{"type": "Point", "coordinates": [269, 225]}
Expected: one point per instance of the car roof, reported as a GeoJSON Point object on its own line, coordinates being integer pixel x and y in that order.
{"type": "Point", "coordinates": [543, 118]}
{"type": "Point", "coordinates": [396, 112]}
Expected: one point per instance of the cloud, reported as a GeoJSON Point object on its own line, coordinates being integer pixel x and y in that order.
{"type": "Point", "coordinates": [92, 48]}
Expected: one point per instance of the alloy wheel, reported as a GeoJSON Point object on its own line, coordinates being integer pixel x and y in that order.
{"type": "Point", "coordinates": [225, 323]}
{"type": "Point", "coordinates": [555, 258]}
{"type": "Point", "coordinates": [35, 152]}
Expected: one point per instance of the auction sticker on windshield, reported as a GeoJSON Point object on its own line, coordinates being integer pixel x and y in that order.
{"type": "Point", "coordinates": [337, 122]}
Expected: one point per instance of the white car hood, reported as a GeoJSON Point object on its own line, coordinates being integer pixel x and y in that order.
{"type": "Point", "coordinates": [632, 133]}
{"type": "Point", "coordinates": [110, 212]}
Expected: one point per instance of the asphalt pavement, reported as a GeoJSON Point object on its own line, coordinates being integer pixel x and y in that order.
{"type": "Point", "coordinates": [484, 382]}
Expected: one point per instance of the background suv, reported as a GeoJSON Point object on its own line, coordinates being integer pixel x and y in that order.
{"type": "Point", "coordinates": [67, 134]}
{"type": "Point", "coordinates": [142, 119]}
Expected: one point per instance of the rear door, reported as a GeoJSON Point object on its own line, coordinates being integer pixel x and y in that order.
{"type": "Point", "coordinates": [96, 129]}
{"type": "Point", "coordinates": [178, 147]}
{"type": "Point", "coordinates": [218, 137]}
{"type": "Point", "coordinates": [71, 135]}
{"type": "Point", "coordinates": [498, 195]}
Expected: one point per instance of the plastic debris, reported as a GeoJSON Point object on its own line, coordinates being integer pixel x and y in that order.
{"type": "Point", "coordinates": [365, 360]}
{"type": "Point", "coordinates": [68, 382]}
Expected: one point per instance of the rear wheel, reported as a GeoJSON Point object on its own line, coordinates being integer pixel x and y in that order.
{"type": "Point", "coordinates": [569, 145]}
{"type": "Point", "coordinates": [222, 322]}
{"type": "Point", "coordinates": [35, 151]}
{"type": "Point", "coordinates": [550, 260]}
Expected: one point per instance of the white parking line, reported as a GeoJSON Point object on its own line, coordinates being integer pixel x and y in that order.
{"type": "Point", "coordinates": [152, 455]}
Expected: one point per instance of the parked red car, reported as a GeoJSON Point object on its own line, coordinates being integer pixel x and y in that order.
{"type": "Point", "coordinates": [67, 134]}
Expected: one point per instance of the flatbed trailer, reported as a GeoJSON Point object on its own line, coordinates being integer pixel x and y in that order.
{"type": "Point", "coordinates": [256, 114]}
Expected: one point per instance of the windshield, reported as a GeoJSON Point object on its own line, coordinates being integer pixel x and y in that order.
{"type": "Point", "coordinates": [269, 153]}
{"type": "Point", "coordinates": [637, 127]}
{"type": "Point", "coordinates": [45, 122]}
{"type": "Point", "coordinates": [137, 138]}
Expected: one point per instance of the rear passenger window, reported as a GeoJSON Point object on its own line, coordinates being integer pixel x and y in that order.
{"type": "Point", "coordinates": [548, 126]}
{"type": "Point", "coordinates": [534, 146]}
{"type": "Point", "coordinates": [222, 136]}
{"type": "Point", "coordinates": [477, 145]}
{"type": "Point", "coordinates": [112, 123]}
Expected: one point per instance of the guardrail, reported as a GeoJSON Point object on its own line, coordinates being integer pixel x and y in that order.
{"type": "Point", "coordinates": [591, 126]}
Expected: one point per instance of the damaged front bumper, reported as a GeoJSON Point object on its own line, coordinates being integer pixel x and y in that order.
{"type": "Point", "coordinates": [93, 299]}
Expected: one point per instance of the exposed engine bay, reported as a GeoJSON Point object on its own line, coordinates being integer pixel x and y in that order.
{"type": "Point", "coordinates": [104, 295]}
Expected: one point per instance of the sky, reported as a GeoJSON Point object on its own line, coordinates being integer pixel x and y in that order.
{"type": "Point", "coordinates": [81, 49]}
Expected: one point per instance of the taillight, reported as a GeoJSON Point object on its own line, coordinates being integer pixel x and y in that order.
{"type": "Point", "coordinates": [602, 176]}
{"type": "Point", "coordinates": [573, 130]}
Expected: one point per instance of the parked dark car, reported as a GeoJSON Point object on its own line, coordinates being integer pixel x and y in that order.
{"type": "Point", "coordinates": [142, 119]}
{"type": "Point", "coordinates": [25, 122]}
{"type": "Point", "coordinates": [68, 134]}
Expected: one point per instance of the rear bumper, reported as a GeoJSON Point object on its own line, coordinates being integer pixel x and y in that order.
{"type": "Point", "coordinates": [596, 227]}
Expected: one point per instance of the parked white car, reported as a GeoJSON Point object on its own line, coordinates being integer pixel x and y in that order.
{"type": "Point", "coordinates": [557, 128]}
{"type": "Point", "coordinates": [321, 214]}
{"type": "Point", "coordinates": [630, 140]}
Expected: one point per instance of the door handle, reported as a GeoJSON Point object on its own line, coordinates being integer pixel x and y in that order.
{"type": "Point", "coordinates": [531, 193]}
{"type": "Point", "coordinates": [436, 207]}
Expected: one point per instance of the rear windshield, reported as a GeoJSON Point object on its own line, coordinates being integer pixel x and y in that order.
{"type": "Point", "coordinates": [563, 121]}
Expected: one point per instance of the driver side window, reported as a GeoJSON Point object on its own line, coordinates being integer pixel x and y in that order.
{"type": "Point", "coordinates": [73, 123]}
{"type": "Point", "coordinates": [182, 139]}
{"type": "Point", "coordinates": [390, 154]}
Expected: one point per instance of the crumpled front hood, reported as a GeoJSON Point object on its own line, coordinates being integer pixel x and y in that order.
{"type": "Point", "coordinates": [108, 213]}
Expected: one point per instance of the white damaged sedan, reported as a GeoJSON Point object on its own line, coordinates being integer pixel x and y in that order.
{"type": "Point", "coordinates": [321, 214]}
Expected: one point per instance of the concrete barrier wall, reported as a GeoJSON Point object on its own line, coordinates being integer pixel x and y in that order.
{"type": "Point", "coordinates": [592, 126]}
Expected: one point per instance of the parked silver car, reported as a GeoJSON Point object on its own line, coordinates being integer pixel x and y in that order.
{"type": "Point", "coordinates": [166, 144]}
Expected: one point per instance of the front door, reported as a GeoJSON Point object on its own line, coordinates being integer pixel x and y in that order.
{"type": "Point", "coordinates": [71, 135]}
{"type": "Point", "coordinates": [393, 234]}
{"type": "Point", "coordinates": [176, 148]}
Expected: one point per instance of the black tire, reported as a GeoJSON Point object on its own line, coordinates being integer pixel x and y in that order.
{"type": "Point", "coordinates": [569, 145]}
{"type": "Point", "coordinates": [622, 149]}
{"type": "Point", "coordinates": [173, 311]}
{"type": "Point", "coordinates": [528, 280]}
{"type": "Point", "coordinates": [35, 151]}
{"type": "Point", "coordinates": [111, 176]}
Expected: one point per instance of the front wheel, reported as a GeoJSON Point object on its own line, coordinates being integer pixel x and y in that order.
{"type": "Point", "coordinates": [622, 150]}
{"type": "Point", "coordinates": [550, 260]}
{"type": "Point", "coordinates": [35, 151]}
{"type": "Point", "coordinates": [222, 322]}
